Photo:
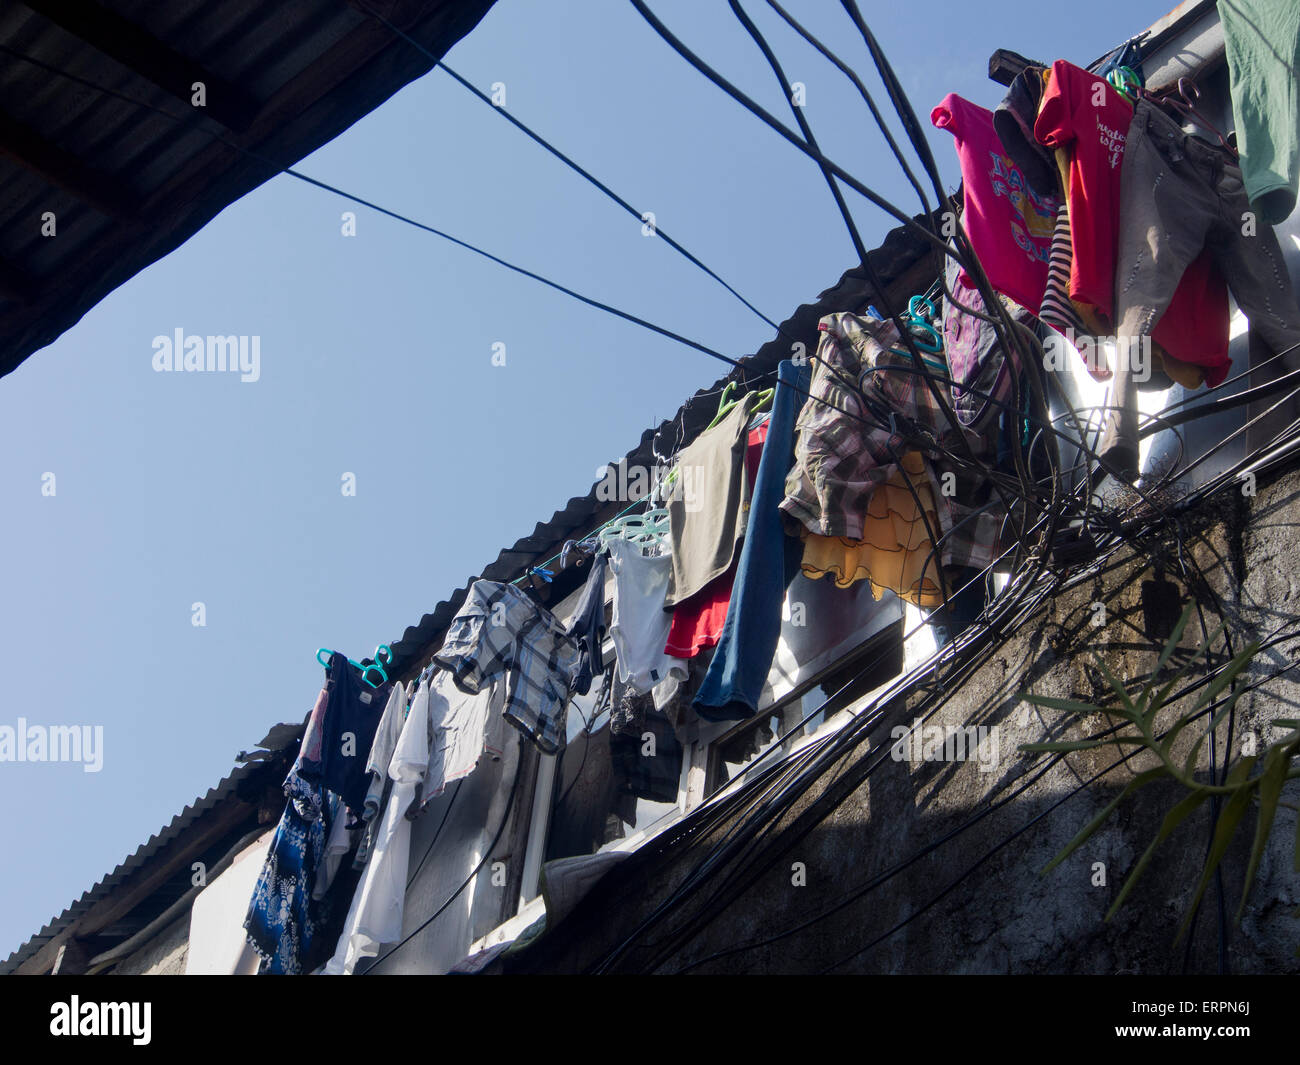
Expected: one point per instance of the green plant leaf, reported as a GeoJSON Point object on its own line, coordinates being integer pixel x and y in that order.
{"type": "Point", "coordinates": [1207, 696]}
{"type": "Point", "coordinates": [1084, 833]}
{"type": "Point", "coordinates": [1171, 645]}
{"type": "Point", "coordinates": [1270, 790]}
{"type": "Point", "coordinates": [1072, 706]}
{"type": "Point", "coordinates": [1229, 816]}
{"type": "Point", "coordinates": [1076, 745]}
{"type": "Point", "coordinates": [1227, 674]}
{"type": "Point", "coordinates": [1173, 819]}
{"type": "Point", "coordinates": [1130, 710]}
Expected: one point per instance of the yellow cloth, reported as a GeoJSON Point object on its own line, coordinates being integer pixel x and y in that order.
{"type": "Point", "coordinates": [895, 552]}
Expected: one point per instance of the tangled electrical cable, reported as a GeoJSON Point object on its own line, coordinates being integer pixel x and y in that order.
{"type": "Point", "coordinates": [742, 815]}
{"type": "Point", "coordinates": [1041, 496]}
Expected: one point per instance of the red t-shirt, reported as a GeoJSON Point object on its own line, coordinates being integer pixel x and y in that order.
{"type": "Point", "coordinates": [697, 621]}
{"type": "Point", "coordinates": [1087, 117]}
{"type": "Point", "coordinates": [1083, 114]}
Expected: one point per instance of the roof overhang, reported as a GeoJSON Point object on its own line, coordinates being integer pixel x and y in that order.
{"type": "Point", "coordinates": [107, 164]}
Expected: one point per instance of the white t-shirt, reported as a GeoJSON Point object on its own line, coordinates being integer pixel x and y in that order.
{"type": "Point", "coordinates": [639, 626]}
{"type": "Point", "coordinates": [465, 728]}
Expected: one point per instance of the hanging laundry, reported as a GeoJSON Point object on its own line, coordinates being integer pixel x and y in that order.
{"type": "Point", "coordinates": [895, 550]}
{"type": "Point", "coordinates": [639, 626]}
{"type": "Point", "coordinates": [345, 834]}
{"type": "Point", "coordinates": [1008, 223]}
{"type": "Point", "coordinates": [381, 753]}
{"type": "Point", "coordinates": [768, 562]}
{"type": "Point", "coordinates": [845, 449]}
{"type": "Point", "coordinates": [627, 709]}
{"type": "Point", "coordinates": [983, 374]}
{"type": "Point", "coordinates": [287, 926]}
{"type": "Point", "coordinates": [709, 503]}
{"type": "Point", "coordinates": [1013, 122]}
{"type": "Point", "coordinates": [336, 746]}
{"type": "Point", "coordinates": [375, 914]}
{"type": "Point", "coordinates": [587, 625]}
{"type": "Point", "coordinates": [1086, 121]}
{"type": "Point", "coordinates": [1181, 194]}
{"type": "Point", "coordinates": [1262, 42]}
{"type": "Point", "coordinates": [1086, 115]}
{"type": "Point", "coordinates": [464, 729]}
{"type": "Point", "coordinates": [674, 696]}
{"type": "Point", "coordinates": [647, 764]}
{"type": "Point", "coordinates": [500, 631]}
{"type": "Point", "coordinates": [697, 621]}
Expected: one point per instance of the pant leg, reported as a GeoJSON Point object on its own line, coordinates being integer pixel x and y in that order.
{"type": "Point", "coordinates": [769, 561]}
{"type": "Point", "coordinates": [1251, 261]}
{"type": "Point", "coordinates": [1167, 207]}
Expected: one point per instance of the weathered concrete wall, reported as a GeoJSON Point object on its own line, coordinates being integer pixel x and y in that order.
{"type": "Point", "coordinates": [164, 955]}
{"type": "Point", "coordinates": [969, 897]}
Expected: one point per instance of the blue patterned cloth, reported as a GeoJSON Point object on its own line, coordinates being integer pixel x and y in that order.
{"type": "Point", "coordinates": [285, 925]}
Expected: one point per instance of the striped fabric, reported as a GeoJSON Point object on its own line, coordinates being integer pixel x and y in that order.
{"type": "Point", "coordinates": [1057, 310]}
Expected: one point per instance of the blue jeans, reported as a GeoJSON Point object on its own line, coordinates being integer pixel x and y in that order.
{"type": "Point", "coordinates": [769, 561]}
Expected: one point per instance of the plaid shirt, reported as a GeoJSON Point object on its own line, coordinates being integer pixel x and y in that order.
{"type": "Point", "coordinates": [500, 630]}
{"type": "Point", "coordinates": [845, 446]}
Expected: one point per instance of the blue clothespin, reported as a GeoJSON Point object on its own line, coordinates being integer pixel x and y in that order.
{"type": "Point", "coordinates": [545, 574]}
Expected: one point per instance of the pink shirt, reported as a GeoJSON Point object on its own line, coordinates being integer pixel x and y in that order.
{"type": "Point", "coordinates": [1009, 225]}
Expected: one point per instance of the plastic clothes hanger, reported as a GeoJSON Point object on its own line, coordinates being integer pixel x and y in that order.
{"type": "Point", "coordinates": [1126, 81]}
{"type": "Point", "coordinates": [919, 319]}
{"type": "Point", "coordinates": [763, 401]}
{"type": "Point", "coordinates": [725, 403]}
{"type": "Point", "coordinates": [641, 529]}
{"type": "Point", "coordinates": [376, 666]}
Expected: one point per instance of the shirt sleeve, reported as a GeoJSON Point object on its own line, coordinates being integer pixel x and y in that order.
{"type": "Point", "coordinates": [1054, 125]}
{"type": "Point", "coordinates": [945, 116]}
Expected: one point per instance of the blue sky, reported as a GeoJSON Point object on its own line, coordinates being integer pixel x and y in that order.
{"type": "Point", "coordinates": [376, 360]}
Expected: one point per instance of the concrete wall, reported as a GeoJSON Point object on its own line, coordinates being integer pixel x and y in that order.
{"type": "Point", "coordinates": [970, 898]}
{"type": "Point", "coordinates": [164, 955]}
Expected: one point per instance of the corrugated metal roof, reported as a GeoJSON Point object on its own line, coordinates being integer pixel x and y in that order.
{"type": "Point", "coordinates": [127, 184]}
{"type": "Point", "coordinates": [264, 766]}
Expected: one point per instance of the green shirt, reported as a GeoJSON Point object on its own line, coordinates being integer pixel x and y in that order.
{"type": "Point", "coordinates": [1262, 40]}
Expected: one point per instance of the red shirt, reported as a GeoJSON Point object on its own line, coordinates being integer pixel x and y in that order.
{"type": "Point", "coordinates": [1083, 114]}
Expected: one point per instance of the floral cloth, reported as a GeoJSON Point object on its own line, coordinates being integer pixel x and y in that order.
{"type": "Point", "coordinates": [285, 925]}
